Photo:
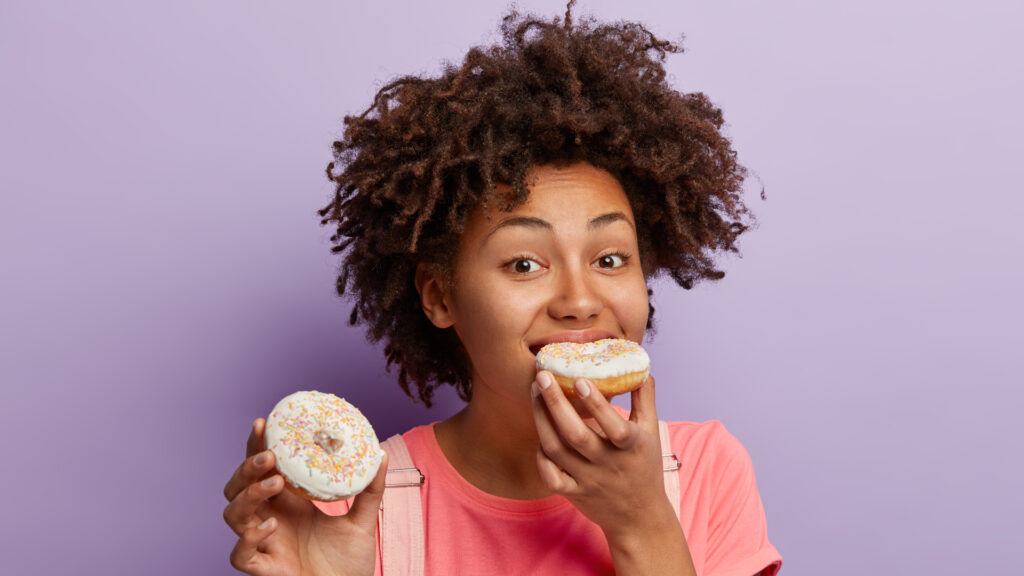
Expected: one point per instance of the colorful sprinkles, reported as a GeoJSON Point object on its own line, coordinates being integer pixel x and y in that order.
{"type": "Point", "coordinates": [343, 464]}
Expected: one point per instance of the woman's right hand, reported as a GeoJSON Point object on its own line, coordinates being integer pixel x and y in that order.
{"type": "Point", "coordinates": [282, 534]}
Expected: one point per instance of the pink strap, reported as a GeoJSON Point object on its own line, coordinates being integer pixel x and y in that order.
{"type": "Point", "coordinates": [671, 465]}
{"type": "Point", "coordinates": [401, 515]}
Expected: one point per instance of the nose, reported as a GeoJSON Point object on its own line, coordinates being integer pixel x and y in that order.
{"type": "Point", "coordinates": [575, 298]}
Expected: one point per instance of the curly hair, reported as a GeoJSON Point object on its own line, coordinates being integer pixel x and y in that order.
{"type": "Point", "coordinates": [428, 151]}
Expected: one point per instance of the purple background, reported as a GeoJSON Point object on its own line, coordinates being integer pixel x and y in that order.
{"type": "Point", "coordinates": [165, 280]}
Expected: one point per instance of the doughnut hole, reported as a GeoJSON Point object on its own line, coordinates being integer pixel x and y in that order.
{"type": "Point", "coordinates": [328, 441]}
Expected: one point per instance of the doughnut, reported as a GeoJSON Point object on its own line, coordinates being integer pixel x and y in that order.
{"type": "Point", "coordinates": [613, 365]}
{"type": "Point", "coordinates": [325, 448]}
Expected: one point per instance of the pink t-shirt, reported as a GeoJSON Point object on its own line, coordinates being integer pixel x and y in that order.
{"type": "Point", "coordinates": [471, 532]}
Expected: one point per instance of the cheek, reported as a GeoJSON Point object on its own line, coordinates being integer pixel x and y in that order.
{"type": "Point", "coordinates": [490, 313]}
{"type": "Point", "coordinates": [634, 310]}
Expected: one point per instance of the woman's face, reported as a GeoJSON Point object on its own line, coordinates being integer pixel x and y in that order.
{"type": "Point", "coordinates": [563, 266]}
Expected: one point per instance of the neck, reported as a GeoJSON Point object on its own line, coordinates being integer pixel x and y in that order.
{"type": "Point", "coordinates": [492, 443]}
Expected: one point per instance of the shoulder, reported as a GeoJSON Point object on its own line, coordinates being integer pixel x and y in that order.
{"type": "Point", "coordinates": [418, 440]}
{"type": "Point", "coordinates": [713, 461]}
{"type": "Point", "coordinates": [721, 504]}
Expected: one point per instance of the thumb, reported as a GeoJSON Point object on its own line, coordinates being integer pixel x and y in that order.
{"type": "Point", "coordinates": [367, 503]}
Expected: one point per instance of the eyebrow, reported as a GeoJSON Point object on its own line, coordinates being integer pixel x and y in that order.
{"type": "Point", "coordinates": [541, 224]}
{"type": "Point", "coordinates": [606, 219]}
{"type": "Point", "coordinates": [525, 221]}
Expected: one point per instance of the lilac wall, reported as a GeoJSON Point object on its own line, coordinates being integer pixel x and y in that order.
{"type": "Point", "coordinates": [164, 279]}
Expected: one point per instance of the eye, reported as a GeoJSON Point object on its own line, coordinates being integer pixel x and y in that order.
{"type": "Point", "coordinates": [523, 266]}
{"type": "Point", "coordinates": [611, 261]}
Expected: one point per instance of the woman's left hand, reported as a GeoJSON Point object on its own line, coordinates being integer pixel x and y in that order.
{"type": "Point", "coordinates": [610, 468]}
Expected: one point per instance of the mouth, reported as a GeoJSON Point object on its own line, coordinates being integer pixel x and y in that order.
{"type": "Point", "coordinates": [579, 337]}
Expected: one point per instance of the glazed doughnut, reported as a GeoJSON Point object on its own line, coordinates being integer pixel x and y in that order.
{"type": "Point", "coordinates": [613, 365]}
{"type": "Point", "coordinates": [324, 446]}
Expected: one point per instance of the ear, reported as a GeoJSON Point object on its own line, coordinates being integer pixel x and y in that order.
{"type": "Point", "coordinates": [433, 297]}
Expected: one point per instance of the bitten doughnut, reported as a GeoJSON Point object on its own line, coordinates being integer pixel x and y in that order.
{"type": "Point", "coordinates": [614, 366]}
{"type": "Point", "coordinates": [324, 446]}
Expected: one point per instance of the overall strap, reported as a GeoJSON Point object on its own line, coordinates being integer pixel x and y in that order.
{"type": "Point", "coordinates": [400, 519]}
{"type": "Point", "coordinates": [670, 464]}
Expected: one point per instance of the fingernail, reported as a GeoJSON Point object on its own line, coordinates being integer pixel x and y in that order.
{"type": "Point", "coordinates": [582, 388]}
{"type": "Point", "coordinates": [260, 459]}
{"type": "Point", "coordinates": [544, 380]}
{"type": "Point", "coordinates": [266, 524]}
{"type": "Point", "coordinates": [270, 482]}
{"type": "Point", "coordinates": [534, 391]}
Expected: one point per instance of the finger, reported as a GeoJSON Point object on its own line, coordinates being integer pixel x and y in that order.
{"type": "Point", "coordinates": [567, 421]}
{"type": "Point", "coordinates": [249, 471]}
{"type": "Point", "coordinates": [240, 513]}
{"type": "Point", "coordinates": [256, 443]}
{"type": "Point", "coordinates": [556, 479]}
{"type": "Point", "coordinates": [643, 410]}
{"type": "Point", "coordinates": [552, 444]}
{"type": "Point", "coordinates": [246, 556]}
{"type": "Point", "coordinates": [367, 503]}
{"type": "Point", "coordinates": [614, 427]}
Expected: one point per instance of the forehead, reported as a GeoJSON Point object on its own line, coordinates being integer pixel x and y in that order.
{"type": "Point", "coordinates": [561, 194]}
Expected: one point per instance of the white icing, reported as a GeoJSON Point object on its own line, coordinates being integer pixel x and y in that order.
{"type": "Point", "coordinates": [323, 444]}
{"type": "Point", "coordinates": [601, 359]}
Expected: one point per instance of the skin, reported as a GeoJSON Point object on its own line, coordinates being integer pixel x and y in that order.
{"type": "Point", "coordinates": [563, 266]}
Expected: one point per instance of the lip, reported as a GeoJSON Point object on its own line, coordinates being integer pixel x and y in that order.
{"type": "Point", "coordinates": [577, 336]}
